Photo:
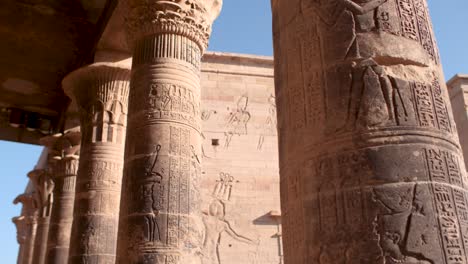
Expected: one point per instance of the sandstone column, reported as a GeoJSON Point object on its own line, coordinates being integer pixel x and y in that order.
{"type": "Point", "coordinates": [43, 197]}
{"type": "Point", "coordinates": [101, 93]}
{"type": "Point", "coordinates": [371, 167]}
{"type": "Point", "coordinates": [63, 151]}
{"type": "Point", "coordinates": [160, 218]}
{"type": "Point", "coordinates": [26, 227]}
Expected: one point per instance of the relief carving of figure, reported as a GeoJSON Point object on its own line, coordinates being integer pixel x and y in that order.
{"type": "Point", "coordinates": [216, 223]}
{"type": "Point", "coordinates": [393, 225]}
{"type": "Point", "coordinates": [159, 97]}
{"type": "Point", "coordinates": [373, 98]}
{"type": "Point", "coordinates": [363, 15]}
{"type": "Point", "coordinates": [152, 186]}
{"type": "Point", "coordinates": [270, 125]}
{"type": "Point", "coordinates": [215, 226]}
{"type": "Point", "coordinates": [237, 120]}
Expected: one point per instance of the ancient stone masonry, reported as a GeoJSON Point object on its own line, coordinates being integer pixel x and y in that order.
{"type": "Point", "coordinates": [101, 93]}
{"type": "Point", "coordinates": [371, 168]}
{"type": "Point", "coordinates": [43, 198]}
{"type": "Point", "coordinates": [63, 154]}
{"type": "Point", "coordinates": [26, 225]}
{"type": "Point", "coordinates": [160, 214]}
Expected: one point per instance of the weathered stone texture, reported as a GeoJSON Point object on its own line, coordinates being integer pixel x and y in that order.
{"type": "Point", "coordinates": [26, 225]}
{"type": "Point", "coordinates": [370, 163]}
{"type": "Point", "coordinates": [160, 214]}
{"type": "Point", "coordinates": [458, 90]}
{"type": "Point", "coordinates": [63, 155]}
{"type": "Point", "coordinates": [101, 93]}
{"type": "Point", "coordinates": [43, 199]}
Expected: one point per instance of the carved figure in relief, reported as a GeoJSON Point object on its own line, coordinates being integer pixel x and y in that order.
{"type": "Point", "coordinates": [215, 226]}
{"type": "Point", "coordinates": [169, 97]}
{"type": "Point", "coordinates": [152, 186]}
{"type": "Point", "coordinates": [216, 223]}
{"type": "Point", "coordinates": [270, 122]}
{"type": "Point", "coordinates": [393, 224]}
{"type": "Point", "coordinates": [237, 120]}
{"type": "Point", "coordinates": [363, 14]}
{"type": "Point", "coordinates": [374, 99]}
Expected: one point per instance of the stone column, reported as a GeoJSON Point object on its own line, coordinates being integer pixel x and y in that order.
{"type": "Point", "coordinates": [26, 227]}
{"type": "Point", "coordinates": [101, 94]}
{"type": "Point", "coordinates": [371, 167]}
{"type": "Point", "coordinates": [160, 217]}
{"type": "Point", "coordinates": [43, 197]}
{"type": "Point", "coordinates": [63, 151]}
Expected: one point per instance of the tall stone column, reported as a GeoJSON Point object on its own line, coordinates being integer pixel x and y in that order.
{"type": "Point", "coordinates": [26, 225]}
{"type": "Point", "coordinates": [43, 197]}
{"type": "Point", "coordinates": [101, 94]}
{"type": "Point", "coordinates": [63, 151]}
{"type": "Point", "coordinates": [371, 167]}
{"type": "Point", "coordinates": [160, 220]}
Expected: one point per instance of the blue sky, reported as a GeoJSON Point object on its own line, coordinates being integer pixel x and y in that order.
{"type": "Point", "coordinates": [244, 26]}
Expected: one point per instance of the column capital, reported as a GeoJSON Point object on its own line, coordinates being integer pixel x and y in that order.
{"type": "Point", "coordinates": [100, 91]}
{"type": "Point", "coordinates": [189, 18]}
{"type": "Point", "coordinates": [63, 153]}
{"type": "Point", "coordinates": [43, 186]}
{"type": "Point", "coordinates": [62, 146]}
{"type": "Point", "coordinates": [88, 84]}
{"type": "Point", "coordinates": [21, 232]}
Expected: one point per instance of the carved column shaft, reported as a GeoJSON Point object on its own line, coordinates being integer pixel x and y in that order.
{"type": "Point", "coordinates": [101, 93]}
{"type": "Point", "coordinates": [43, 197]}
{"type": "Point", "coordinates": [27, 257]}
{"type": "Point", "coordinates": [26, 225]}
{"type": "Point", "coordinates": [160, 216]}
{"type": "Point", "coordinates": [26, 228]}
{"type": "Point", "coordinates": [21, 236]}
{"type": "Point", "coordinates": [371, 168]}
{"type": "Point", "coordinates": [63, 151]}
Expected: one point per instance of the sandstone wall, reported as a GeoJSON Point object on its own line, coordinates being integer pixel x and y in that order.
{"type": "Point", "coordinates": [458, 90]}
{"type": "Point", "coordinates": [240, 160]}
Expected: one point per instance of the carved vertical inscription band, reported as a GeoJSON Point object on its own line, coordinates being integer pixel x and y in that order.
{"type": "Point", "coordinates": [371, 168]}
{"type": "Point", "coordinates": [160, 215]}
{"type": "Point", "coordinates": [101, 92]}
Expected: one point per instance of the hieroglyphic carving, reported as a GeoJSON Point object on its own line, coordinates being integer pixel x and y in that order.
{"type": "Point", "coordinates": [216, 223]}
{"type": "Point", "coordinates": [415, 24]}
{"type": "Point", "coordinates": [168, 39]}
{"type": "Point", "coordinates": [174, 102]}
{"type": "Point", "coordinates": [237, 120]}
{"type": "Point", "coordinates": [366, 194]}
{"type": "Point", "coordinates": [101, 91]}
{"type": "Point", "coordinates": [430, 106]}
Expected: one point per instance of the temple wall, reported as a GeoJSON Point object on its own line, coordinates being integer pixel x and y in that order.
{"type": "Point", "coordinates": [240, 163]}
{"type": "Point", "coordinates": [458, 91]}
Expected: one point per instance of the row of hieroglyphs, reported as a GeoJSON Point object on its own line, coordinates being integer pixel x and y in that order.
{"type": "Point", "coordinates": [237, 121]}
